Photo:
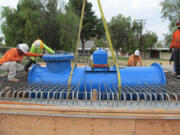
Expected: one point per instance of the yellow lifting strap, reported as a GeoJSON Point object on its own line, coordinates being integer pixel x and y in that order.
{"type": "Point", "coordinates": [77, 44]}
{"type": "Point", "coordinates": [109, 40]}
{"type": "Point", "coordinates": [110, 45]}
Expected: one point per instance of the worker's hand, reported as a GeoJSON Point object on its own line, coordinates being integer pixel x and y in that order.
{"type": "Point", "coordinates": [40, 56]}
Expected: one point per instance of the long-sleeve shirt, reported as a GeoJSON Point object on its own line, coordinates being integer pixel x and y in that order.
{"type": "Point", "coordinates": [176, 39]}
{"type": "Point", "coordinates": [13, 55]}
{"type": "Point", "coordinates": [133, 60]}
{"type": "Point", "coordinates": [40, 51]}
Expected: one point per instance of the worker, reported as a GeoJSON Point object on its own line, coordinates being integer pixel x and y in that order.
{"type": "Point", "coordinates": [134, 59]}
{"type": "Point", "coordinates": [176, 45]}
{"type": "Point", "coordinates": [37, 47]}
{"type": "Point", "coordinates": [12, 59]}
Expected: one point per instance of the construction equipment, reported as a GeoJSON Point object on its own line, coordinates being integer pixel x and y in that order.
{"type": "Point", "coordinates": [108, 38]}
{"type": "Point", "coordinates": [99, 77]}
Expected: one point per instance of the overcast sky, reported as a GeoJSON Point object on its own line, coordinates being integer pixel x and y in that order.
{"type": "Point", "coordinates": [136, 9]}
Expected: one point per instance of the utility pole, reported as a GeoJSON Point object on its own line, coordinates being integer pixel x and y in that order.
{"type": "Point", "coordinates": [141, 23]}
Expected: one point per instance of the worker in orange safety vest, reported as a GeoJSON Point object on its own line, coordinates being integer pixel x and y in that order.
{"type": "Point", "coordinates": [176, 45]}
{"type": "Point", "coordinates": [12, 58]}
{"type": "Point", "coordinates": [134, 59]}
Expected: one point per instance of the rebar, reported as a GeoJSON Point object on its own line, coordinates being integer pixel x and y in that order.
{"type": "Point", "coordinates": [59, 91]}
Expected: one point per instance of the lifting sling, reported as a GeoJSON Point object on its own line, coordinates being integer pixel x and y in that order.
{"type": "Point", "coordinates": [109, 41]}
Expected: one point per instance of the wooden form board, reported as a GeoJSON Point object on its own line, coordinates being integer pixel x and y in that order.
{"type": "Point", "coordinates": [45, 125]}
{"type": "Point", "coordinates": [33, 119]}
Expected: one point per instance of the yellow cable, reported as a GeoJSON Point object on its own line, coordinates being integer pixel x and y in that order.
{"type": "Point", "coordinates": [77, 44]}
{"type": "Point", "coordinates": [110, 45]}
{"type": "Point", "coordinates": [109, 40]}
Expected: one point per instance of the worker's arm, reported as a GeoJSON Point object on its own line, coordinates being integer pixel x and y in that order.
{"type": "Point", "coordinates": [29, 54]}
{"type": "Point", "coordinates": [48, 49]}
{"type": "Point", "coordinates": [131, 61]}
{"type": "Point", "coordinates": [173, 40]}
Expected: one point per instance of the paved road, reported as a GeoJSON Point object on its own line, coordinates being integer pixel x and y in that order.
{"type": "Point", "coordinates": [168, 68]}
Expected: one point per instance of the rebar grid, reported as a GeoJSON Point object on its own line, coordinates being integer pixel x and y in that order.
{"type": "Point", "coordinates": [47, 91]}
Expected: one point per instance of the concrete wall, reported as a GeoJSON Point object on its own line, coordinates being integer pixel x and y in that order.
{"type": "Point", "coordinates": [147, 54]}
{"type": "Point", "coordinates": [165, 55]}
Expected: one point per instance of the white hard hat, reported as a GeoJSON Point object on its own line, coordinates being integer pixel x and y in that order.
{"type": "Point", "coordinates": [37, 43]}
{"type": "Point", "coordinates": [137, 53]}
{"type": "Point", "coordinates": [23, 47]}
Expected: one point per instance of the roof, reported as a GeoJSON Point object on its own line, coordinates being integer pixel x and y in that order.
{"type": "Point", "coordinates": [88, 45]}
{"type": "Point", "coordinates": [158, 49]}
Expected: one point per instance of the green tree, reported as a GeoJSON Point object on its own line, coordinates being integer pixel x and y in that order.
{"type": "Point", "coordinates": [69, 29]}
{"type": "Point", "coordinates": [1, 40]}
{"type": "Point", "coordinates": [23, 24]}
{"type": "Point", "coordinates": [92, 26]}
{"type": "Point", "coordinates": [122, 34]}
{"type": "Point", "coordinates": [168, 39]}
{"type": "Point", "coordinates": [102, 43]}
{"type": "Point", "coordinates": [52, 25]}
{"type": "Point", "coordinates": [48, 20]}
{"type": "Point", "coordinates": [126, 34]}
{"type": "Point", "coordinates": [159, 44]}
{"type": "Point", "coordinates": [12, 34]}
{"type": "Point", "coordinates": [171, 11]}
{"type": "Point", "coordinates": [149, 39]}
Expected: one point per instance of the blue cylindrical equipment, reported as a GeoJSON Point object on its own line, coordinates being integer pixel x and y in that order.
{"type": "Point", "coordinates": [88, 78]}
{"type": "Point", "coordinates": [100, 57]}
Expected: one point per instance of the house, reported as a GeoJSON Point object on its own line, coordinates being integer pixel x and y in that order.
{"type": "Point", "coordinates": [87, 48]}
{"type": "Point", "coordinates": [159, 53]}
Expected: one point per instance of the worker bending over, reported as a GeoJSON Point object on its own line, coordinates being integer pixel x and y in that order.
{"type": "Point", "coordinates": [37, 47]}
{"type": "Point", "coordinates": [176, 45]}
{"type": "Point", "coordinates": [12, 58]}
{"type": "Point", "coordinates": [134, 59]}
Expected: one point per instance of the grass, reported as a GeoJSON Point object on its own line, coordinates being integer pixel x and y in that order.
{"type": "Point", "coordinates": [122, 61]}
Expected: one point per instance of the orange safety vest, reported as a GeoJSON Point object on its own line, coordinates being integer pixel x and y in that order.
{"type": "Point", "coordinates": [133, 60]}
{"type": "Point", "coordinates": [176, 39]}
